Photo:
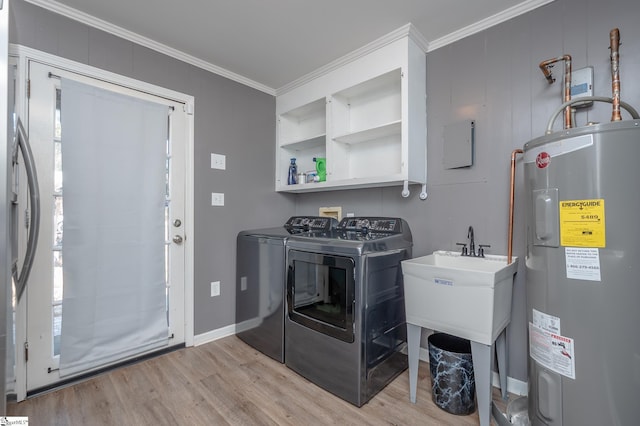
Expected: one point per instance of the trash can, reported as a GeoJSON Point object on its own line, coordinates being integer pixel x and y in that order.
{"type": "Point", "coordinates": [453, 386]}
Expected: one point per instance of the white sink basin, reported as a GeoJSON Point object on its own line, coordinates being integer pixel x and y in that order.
{"type": "Point", "coordinates": [469, 297]}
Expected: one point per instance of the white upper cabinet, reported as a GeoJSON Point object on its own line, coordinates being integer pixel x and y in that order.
{"type": "Point", "coordinates": [367, 117]}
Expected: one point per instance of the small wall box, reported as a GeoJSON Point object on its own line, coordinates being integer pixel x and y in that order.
{"type": "Point", "coordinates": [458, 144]}
{"type": "Point", "coordinates": [582, 85]}
{"type": "Point", "coordinates": [335, 212]}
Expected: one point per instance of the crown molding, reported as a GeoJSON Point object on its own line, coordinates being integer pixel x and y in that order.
{"type": "Point", "coordinates": [410, 31]}
{"type": "Point", "coordinates": [486, 23]}
{"type": "Point", "coordinates": [404, 31]}
{"type": "Point", "coordinates": [108, 27]}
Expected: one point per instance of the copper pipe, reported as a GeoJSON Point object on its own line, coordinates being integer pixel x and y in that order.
{"type": "Point", "coordinates": [511, 202]}
{"type": "Point", "coordinates": [614, 39]}
{"type": "Point", "coordinates": [545, 67]}
{"type": "Point", "coordinates": [567, 90]}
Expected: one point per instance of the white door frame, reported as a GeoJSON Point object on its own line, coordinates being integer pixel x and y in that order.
{"type": "Point", "coordinates": [24, 55]}
{"type": "Point", "coordinates": [5, 199]}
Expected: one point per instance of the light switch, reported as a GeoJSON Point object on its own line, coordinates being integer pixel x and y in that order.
{"type": "Point", "coordinates": [217, 199]}
{"type": "Point", "coordinates": [215, 288]}
{"type": "Point", "coordinates": [218, 161]}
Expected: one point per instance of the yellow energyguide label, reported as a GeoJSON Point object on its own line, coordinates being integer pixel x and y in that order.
{"type": "Point", "coordinates": [582, 223]}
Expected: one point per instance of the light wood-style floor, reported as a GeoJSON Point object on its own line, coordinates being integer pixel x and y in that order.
{"type": "Point", "coordinates": [226, 382]}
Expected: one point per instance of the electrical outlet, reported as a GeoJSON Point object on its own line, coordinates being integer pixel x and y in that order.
{"type": "Point", "coordinates": [243, 283]}
{"type": "Point", "coordinates": [215, 288]}
{"type": "Point", "coordinates": [218, 161]}
{"type": "Point", "coordinates": [217, 199]}
{"type": "Point", "coordinates": [350, 214]}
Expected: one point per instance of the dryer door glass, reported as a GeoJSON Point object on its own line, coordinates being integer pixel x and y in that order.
{"type": "Point", "coordinates": [320, 293]}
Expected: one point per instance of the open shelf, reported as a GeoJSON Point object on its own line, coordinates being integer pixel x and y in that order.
{"type": "Point", "coordinates": [378, 132]}
{"type": "Point", "coordinates": [305, 124]}
{"type": "Point", "coordinates": [366, 117]}
{"type": "Point", "coordinates": [308, 143]}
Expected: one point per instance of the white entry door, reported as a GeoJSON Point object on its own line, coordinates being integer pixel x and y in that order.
{"type": "Point", "coordinates": [44, 292]}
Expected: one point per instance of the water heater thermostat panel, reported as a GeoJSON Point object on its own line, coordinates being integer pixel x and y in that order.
{"type": "Point", "coordinates": [582, 85]}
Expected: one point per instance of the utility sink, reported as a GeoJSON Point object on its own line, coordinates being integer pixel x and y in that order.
{"type": "Point", "coordinates": [468, 297]}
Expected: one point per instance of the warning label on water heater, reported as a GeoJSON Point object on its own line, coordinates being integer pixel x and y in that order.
{"type": "Point", "coordinates": [552, 351]}
{"type": "Point", "coordinates": [582, 223]}
{"type": "Point", "coordinates": [582, 263]}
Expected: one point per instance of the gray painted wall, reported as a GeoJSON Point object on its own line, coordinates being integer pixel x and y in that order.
{"type": "Point", "coordinates": [230, 119]}
{"type": "Point", "coordinates": [491, 77]}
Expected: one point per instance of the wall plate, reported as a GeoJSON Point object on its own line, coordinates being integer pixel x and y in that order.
{"type": "Point", "coordinates": [218, 161]}
{"type": "Point", "coordinates": [217, 199]}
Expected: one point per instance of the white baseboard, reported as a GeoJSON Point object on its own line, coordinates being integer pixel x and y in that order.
{"type": "Point", "coordinates": [212, 335]}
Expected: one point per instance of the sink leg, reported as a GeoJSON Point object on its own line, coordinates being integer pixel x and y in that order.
{"type": "Point", "coordinates": [481, 355]}
{"type": "Point", "coordinates": [413, 347]}
{"type": "Point", "coordinates": [501, 349]}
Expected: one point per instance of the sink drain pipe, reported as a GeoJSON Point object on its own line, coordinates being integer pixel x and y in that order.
{"type": "Point", "coordinates": [499, 416]}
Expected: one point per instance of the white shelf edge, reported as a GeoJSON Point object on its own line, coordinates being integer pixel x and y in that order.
{"type": "Point", "coordinates": [387, 129]}
{"type": "Point", "coordinates": [388, 80]}
{"type": "Point", "coordinates": [306, 143]}
{"type": "Point", "coordinates": [317, 107]}
{"type": "Point", "coordinates": [355, 183]}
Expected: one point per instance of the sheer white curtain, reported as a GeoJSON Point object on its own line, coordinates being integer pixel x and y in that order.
{"type": "Point", "coordinates": [114, 164]}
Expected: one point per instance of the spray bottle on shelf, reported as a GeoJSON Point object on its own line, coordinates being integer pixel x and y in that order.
{"type": "Point", "coordinates": [292, 179]}
{"type": "Point", "coordinates": [321, 168]}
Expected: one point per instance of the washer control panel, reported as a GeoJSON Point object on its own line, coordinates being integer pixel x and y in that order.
{"type": "Point", "coordinates": [316, 223]}
{"type": "Point", "coordinates": [371, 224]}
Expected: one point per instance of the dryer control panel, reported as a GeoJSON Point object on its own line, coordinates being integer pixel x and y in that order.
{"type": "Point", "coordinates": [366, 224]}
{"type": "Point", "coordinates": [369, 227]}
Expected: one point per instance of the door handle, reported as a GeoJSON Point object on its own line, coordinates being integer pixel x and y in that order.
{"type": "Point", "coordinates": [177, 239]}
{"type": "Point", "coordinates": [34, 200]}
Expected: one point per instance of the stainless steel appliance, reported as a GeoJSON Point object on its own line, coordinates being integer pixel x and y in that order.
{"type": "Point", "coordinates": [345, 324]}
{"type": "Point", "coordinates": [260, 281]}
{"type": "Point", "coordinates": [582, 266]}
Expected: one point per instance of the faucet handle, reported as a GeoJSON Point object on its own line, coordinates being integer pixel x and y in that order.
{"type": "Point", "coordinates": [464, 248]}
{"type": "Point", "coordinates": [481, 249]}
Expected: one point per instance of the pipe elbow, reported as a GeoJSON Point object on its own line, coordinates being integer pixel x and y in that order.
{"type": "Point", "coordinates": [547, 73]}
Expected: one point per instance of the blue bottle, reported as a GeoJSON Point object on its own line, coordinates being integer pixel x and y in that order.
{"type": "Point", "coordinates": [293, 173]}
